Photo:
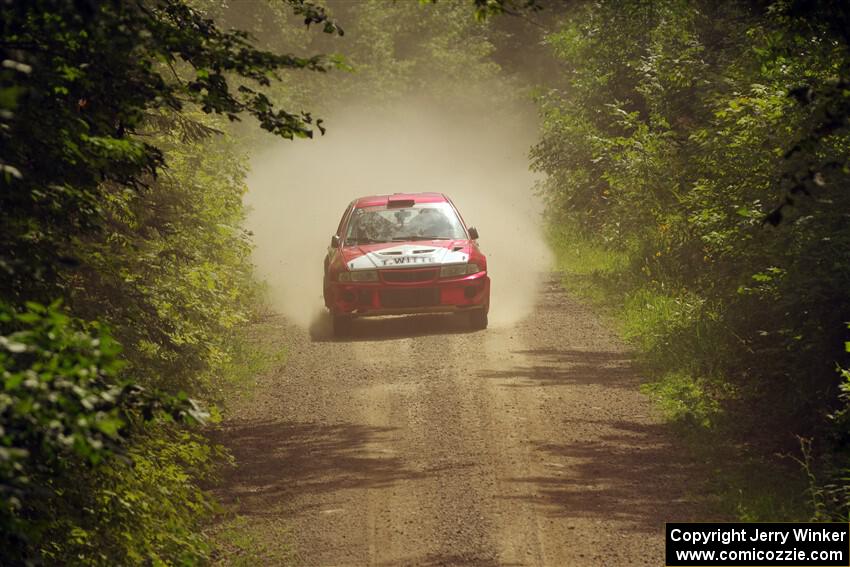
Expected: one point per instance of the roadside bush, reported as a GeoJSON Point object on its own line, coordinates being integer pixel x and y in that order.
{"type": "Point", "coordinates": [704, 143]}
{"type": "Point", "coordinates": [73, 440]}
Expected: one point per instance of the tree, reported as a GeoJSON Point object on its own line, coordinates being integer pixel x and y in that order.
{"type": "Point", "coordinates": [116, 199]}
{"type": "Point", "coordinates": [680, 125]}
{"type": "Point", "coordinates": [80, 79]}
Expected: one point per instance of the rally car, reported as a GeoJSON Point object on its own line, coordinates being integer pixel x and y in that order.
{"type": "Point", "coordinates": [401, 254]}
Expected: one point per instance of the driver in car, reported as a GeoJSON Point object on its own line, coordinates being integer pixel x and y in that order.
{"type": "Point", "coordinates": [429, 222]}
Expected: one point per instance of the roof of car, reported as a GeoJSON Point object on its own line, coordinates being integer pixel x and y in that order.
{"type": "Point", "coordinates": [381, 200]}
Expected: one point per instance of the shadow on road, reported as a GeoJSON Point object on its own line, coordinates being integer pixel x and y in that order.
{"type": "Point", "coordinates": [393, 327]}
{"type": "Point", "coordinates": [280, 459]}
{"type": "Point", "coordinates": [563, 367]}
{"type": "Point", "coordinates": [632, 474]}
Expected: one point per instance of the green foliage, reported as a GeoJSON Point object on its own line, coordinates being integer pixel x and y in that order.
{"type": "Point", "coordinates": [170, 273]}
{"type": "Point", "coordinates": [122, 196]}
{"type": "Point", "coordinates": [174, 259]}
{"type": "Point", "coordinates": [146, 507]}
{"type": "Point", "coordinates": [484, 9]}
{"type": "Point", "coordinates": [409, 49]}
{"type": "Point", "coordinates": [80, 82]}
{"type": "Point", "coordinates": [244, 543]}
{"type": "Point", "coordinates": [64, 413]}
{"type": "Point", "coordinates": [680, 125]}
{"type": "Point", "coordinates": [590, 269]}
{"type": "Point", "coordinates": [154, 508]}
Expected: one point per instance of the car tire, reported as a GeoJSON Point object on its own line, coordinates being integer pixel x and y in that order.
{"type": "Point", "coordinates": [341, 325]}
{"type": "Point", "coordinates": [478, 319]}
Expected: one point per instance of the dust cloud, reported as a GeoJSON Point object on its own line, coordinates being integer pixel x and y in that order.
{"type": "Point", "coordinates": [299, 190]}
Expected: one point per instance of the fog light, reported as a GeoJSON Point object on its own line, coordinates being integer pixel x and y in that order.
{"type": "Point", "coordinates": [470, 291]}
{"type": "Point", "coordinates": [348, 295]}
{"type": "Point", "coordinates": [364, 276]}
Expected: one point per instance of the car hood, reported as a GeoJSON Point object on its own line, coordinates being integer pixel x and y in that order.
{"type": "Point", "coordinates": [411, 254]}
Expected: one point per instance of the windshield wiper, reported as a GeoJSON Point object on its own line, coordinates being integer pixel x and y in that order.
{"type": "Point", "coordinates": [401, 238]}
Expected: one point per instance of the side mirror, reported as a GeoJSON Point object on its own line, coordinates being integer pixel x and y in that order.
{"type": "Point", "coordinates": [334, 241]}
{"type": "Point", "coordinates": [473, 233]}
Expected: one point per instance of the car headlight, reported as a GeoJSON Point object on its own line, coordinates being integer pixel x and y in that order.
{"type": "Point", "coordinates": [358, 276]}
{"type": "Point", "coordinates": [459, 270]}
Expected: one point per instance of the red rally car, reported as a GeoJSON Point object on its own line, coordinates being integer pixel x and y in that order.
{"type": "Point", "coordinates": [405, 253]}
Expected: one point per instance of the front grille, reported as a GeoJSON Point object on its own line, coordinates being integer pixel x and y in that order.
{"type": "Point", "coordinates": [406, 276]}
{"type": "Point", "coordinates": [421, 297]}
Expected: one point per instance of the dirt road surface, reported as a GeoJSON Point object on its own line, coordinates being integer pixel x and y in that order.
{"type": "Point", "coordinates": [417, 442]}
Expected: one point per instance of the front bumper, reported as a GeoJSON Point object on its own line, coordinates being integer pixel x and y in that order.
{"type": "Point", "coordinates": [464, 293]}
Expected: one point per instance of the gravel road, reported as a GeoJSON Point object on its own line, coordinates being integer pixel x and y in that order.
{"type": "Point", "coordinates": [417, 442]}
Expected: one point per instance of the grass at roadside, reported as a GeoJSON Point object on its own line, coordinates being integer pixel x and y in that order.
{"type": "Point", "coordinates": [244, 542]}
{"type": "Point", "coordinates": [675, 337]}
{"type": "Point", "coordinates": [591, 271]}
{"type": "Point", "coordinates": [259, 349]}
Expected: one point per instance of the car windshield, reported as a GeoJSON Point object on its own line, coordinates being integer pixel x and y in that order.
{"type": "Point", "coordinates": [422, 221]}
